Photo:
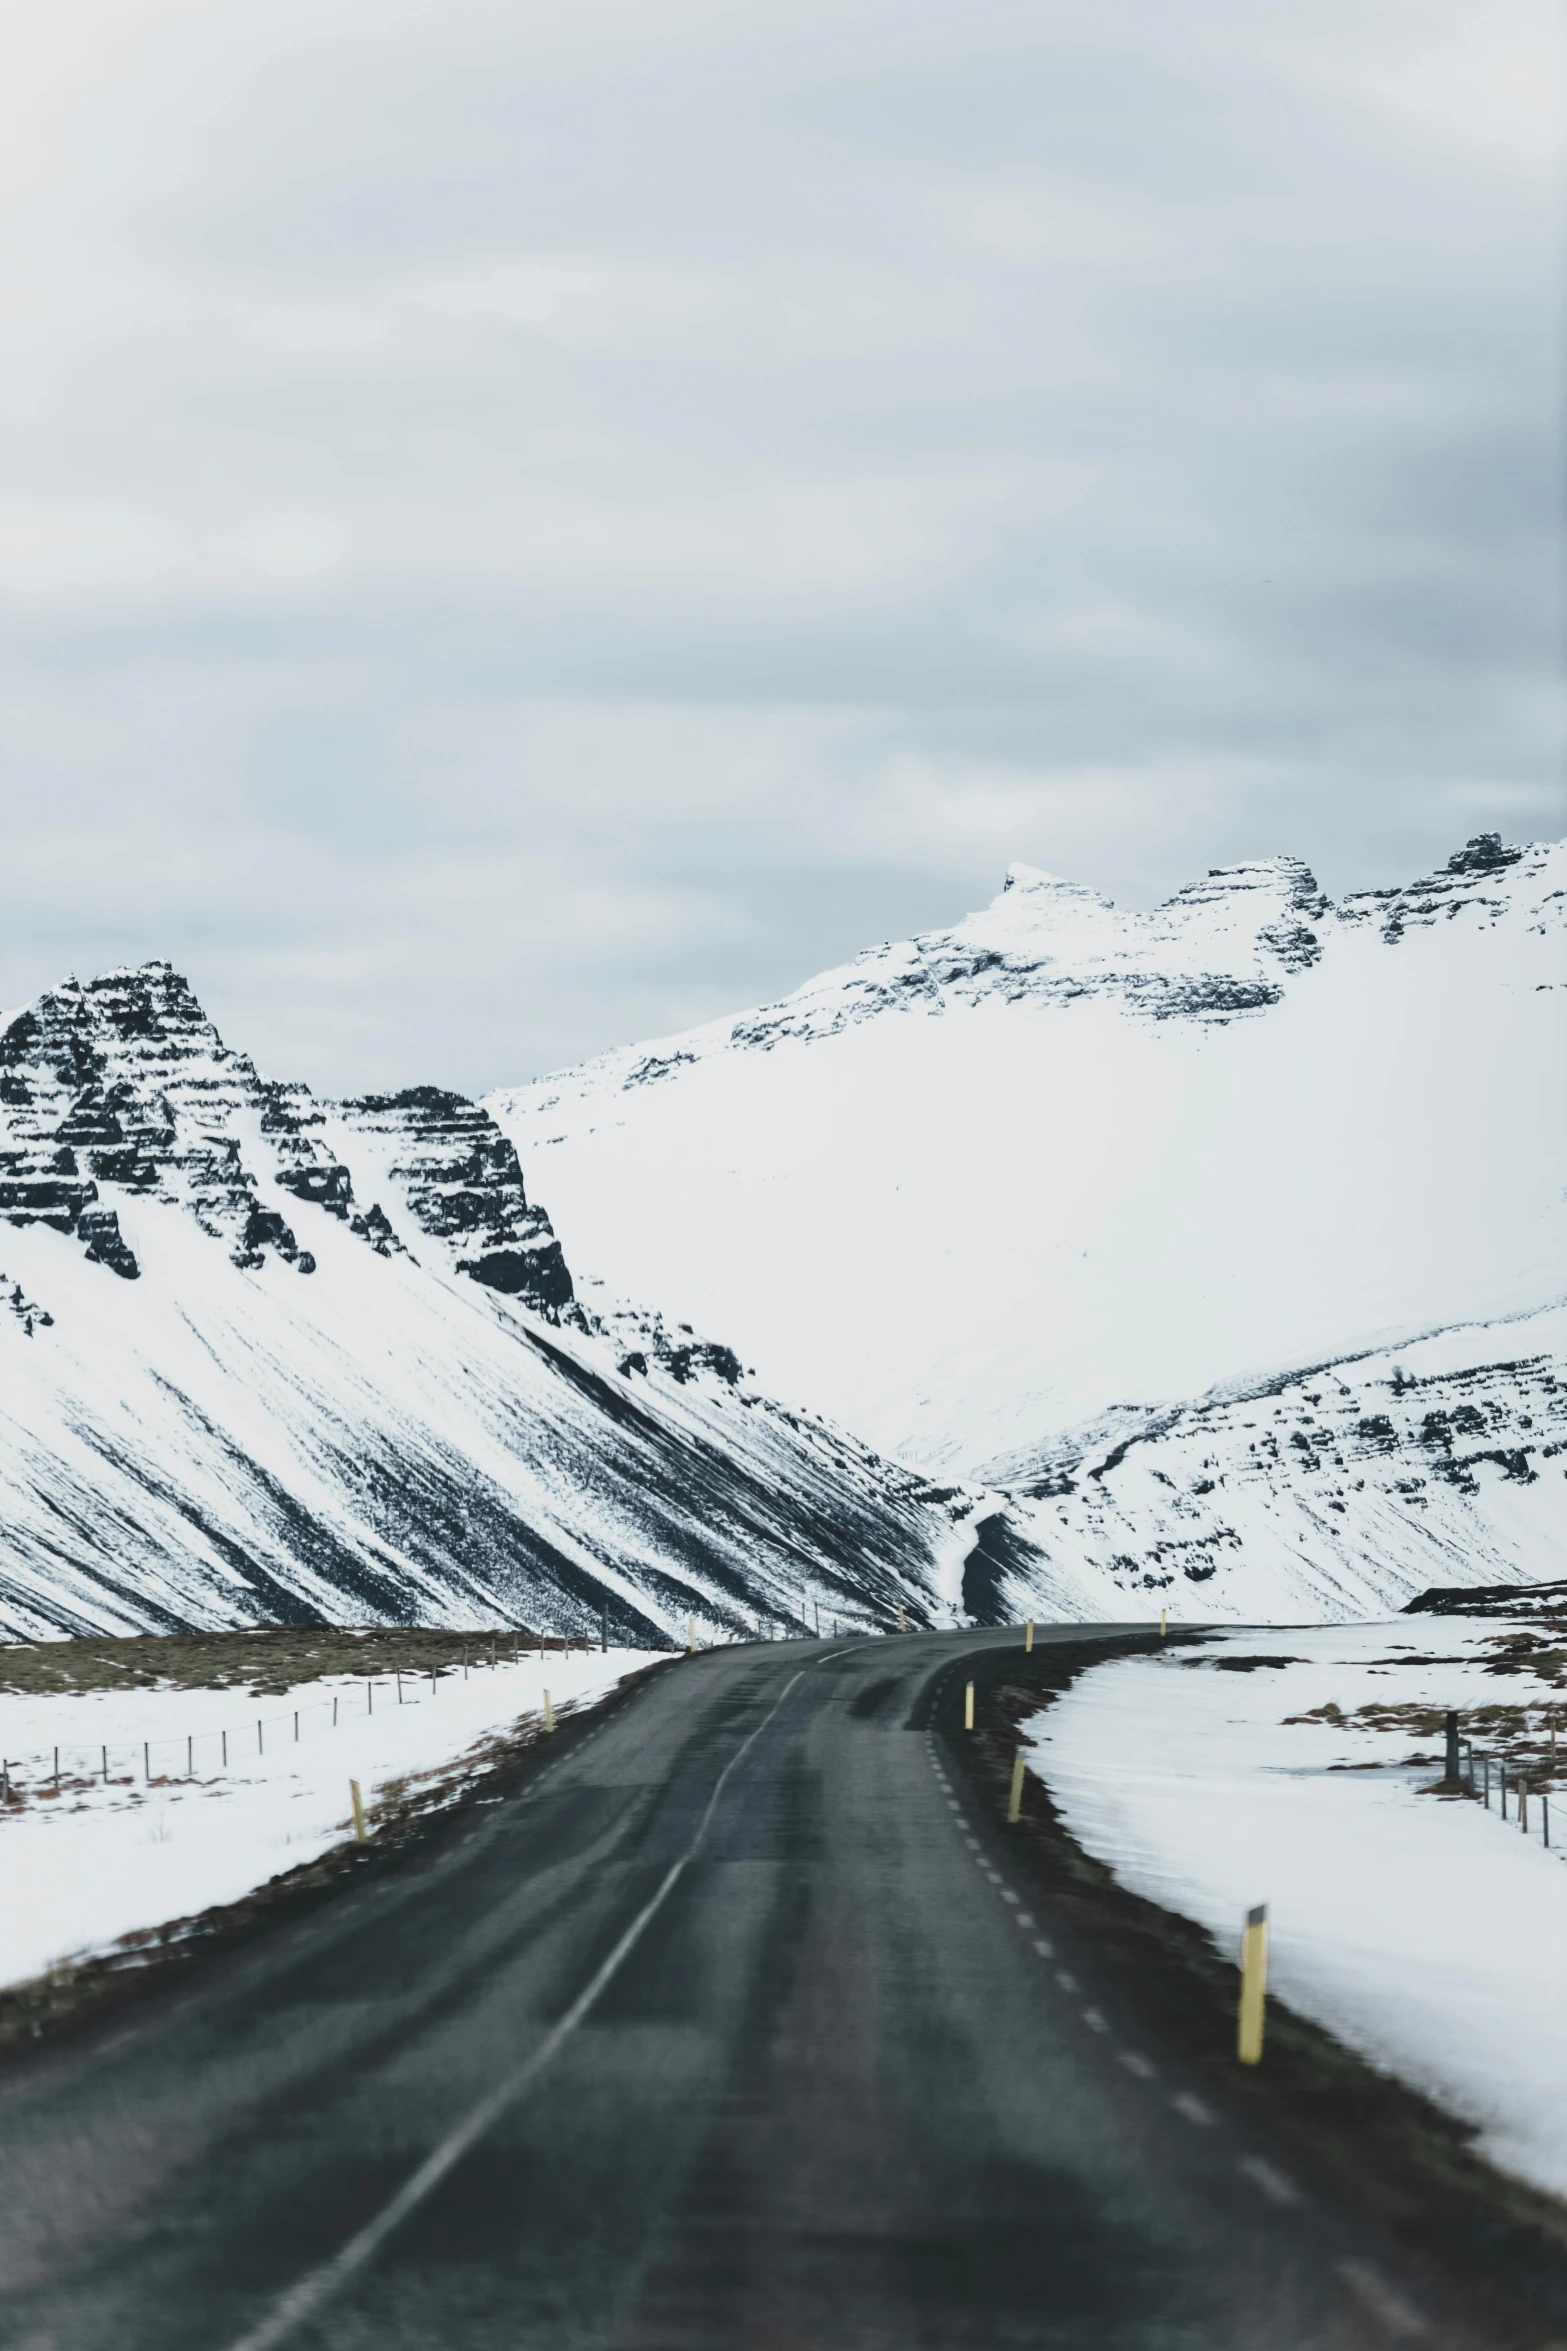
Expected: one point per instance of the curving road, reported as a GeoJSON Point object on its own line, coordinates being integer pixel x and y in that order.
{"type": "Point", "coordinates": [731, 2026]}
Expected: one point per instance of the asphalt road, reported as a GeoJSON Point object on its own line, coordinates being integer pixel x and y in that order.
{"type": "Point", "coordinates": [727, 2028]}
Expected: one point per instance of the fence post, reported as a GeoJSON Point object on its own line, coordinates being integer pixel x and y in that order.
{"type": "Point", "coordinates": [1254, 1986]}
{"type": "Point", "coordinates": [603, 1630]}
{"type": "Point", "coordinates": [146, 1759]}
{"type": "Point", "coordinates": [1545, 1816]}
{"type": "Point", "coordinates": [105, 1754]}
{"type": "Point", "coordinates": [260, 1742]}
{"type": "Point", "coordinates": [1485, 1762]}
{"type": "Point", "coordinates": [1523, 1806]}
{"type": "Point", "coordinates": [1502, 1768]}
{"type": "Point", "coordinates": [190, 1758]}
{"type": "Point", "coordinates": [223, 1735]}
{"type": "Point", "coordinates": [57, 1771]}
{"type": "Point", "coordinates": [1452, 1775]}
{"type": "Point", "coordinates": [399, 1689]}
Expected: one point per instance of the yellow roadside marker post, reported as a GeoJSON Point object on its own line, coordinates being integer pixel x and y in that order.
{"type": "Point", "coordinates": [1028, 1637]}
{"type": "Point", "coordinates": [549, 1713]}
{"type": "Point", "coordinates": [902, 1622]}
{"type": "Point", "coordinates": [360, 1836]}
{"type": "Point", "coordinates": [1164, 1616]}
{"type": "Point", "coordinates": [690, 1636]}
{"type": "Point", "coordinates": [968, 1707]}
{"type": "Point", "coordinates": [1015, 1800]}
{"type": "Point", "coordinates": [1254, 1985]}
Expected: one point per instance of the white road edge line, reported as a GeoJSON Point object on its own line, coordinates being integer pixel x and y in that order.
{"type": "Point", "coordinates": [320, 2286]}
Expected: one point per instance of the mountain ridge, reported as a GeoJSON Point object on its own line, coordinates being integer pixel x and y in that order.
{"type": "Point", "coordinates": [972, 1190]}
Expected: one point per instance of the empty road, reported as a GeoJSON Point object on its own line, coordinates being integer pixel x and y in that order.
{"type": "Point", "coordinates": [732, 2025]}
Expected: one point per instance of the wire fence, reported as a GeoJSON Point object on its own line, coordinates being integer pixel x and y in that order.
{"type": "Point", "coordinates": [208, 1754]}
{"type": "Point", "coordinates": [1492, 1782]}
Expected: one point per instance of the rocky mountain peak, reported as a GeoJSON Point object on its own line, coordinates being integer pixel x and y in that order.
{"type": "Point", "coordinates": [121, 1087]}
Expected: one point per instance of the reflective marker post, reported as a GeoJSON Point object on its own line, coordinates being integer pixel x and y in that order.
{"type": "Point", "coordinates": [1254, 1985]}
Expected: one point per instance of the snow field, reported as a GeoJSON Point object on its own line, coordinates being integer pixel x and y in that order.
{"type": "Point", "coordinates": [107, 1859]}
{"type": "Point", "coordinates": [1424, 1933]}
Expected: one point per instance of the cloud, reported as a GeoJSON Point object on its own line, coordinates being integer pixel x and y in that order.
{"type": "Point", "coordinates": [522, 527]}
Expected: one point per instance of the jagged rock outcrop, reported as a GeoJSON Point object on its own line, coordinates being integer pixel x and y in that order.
{"type": "Point", "coordinates": [461, 1181]}
{"type": "Point", "coordinates": [121, 1089]}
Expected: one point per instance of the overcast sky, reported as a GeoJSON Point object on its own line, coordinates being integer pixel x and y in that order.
{"type": "Point", "coordinates": [526, 526]}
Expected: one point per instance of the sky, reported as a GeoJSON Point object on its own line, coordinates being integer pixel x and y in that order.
{"type": "Point", "coordinates": [524, 528]}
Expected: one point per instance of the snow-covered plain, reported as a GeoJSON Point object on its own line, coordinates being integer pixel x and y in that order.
{"type": "Point", "coordinates": [1422, 1931]}
{"type": "Point", "coordinates": [978, 1189]}
{"type": "Point", "coordinates": [118, 1856]}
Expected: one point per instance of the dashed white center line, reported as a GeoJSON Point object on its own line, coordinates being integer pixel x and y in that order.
{"type": "Point", "coordinates": [1383, 2300]}
{"type": "Point", "coordinates": [1045, 1950]}
{"type": "Point", "coordinates": [1007, 1894]}
{"type": "Point", "coordinates": [1136, 2064]}
{"type": "Point", "coordinates": [1067, 1982]}
{"type": "Point", "coordinates": [1094, 2021]}
{"type": "Point", "coordinates": [1192, 2107]}
{"type": "Point", "coordinates": [1275, 2185]}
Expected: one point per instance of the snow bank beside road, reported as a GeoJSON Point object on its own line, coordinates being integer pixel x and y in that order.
{"type": "Point", "coordinates": [98, 1861]}
{"type": "Point", "coordinates": [1424, 1933]}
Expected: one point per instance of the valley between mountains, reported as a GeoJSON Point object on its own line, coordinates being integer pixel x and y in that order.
{"type": "Point", "coordinates": [1067, 1263]}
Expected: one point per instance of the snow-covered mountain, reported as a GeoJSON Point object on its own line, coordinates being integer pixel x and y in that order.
{"type": "Point", "coordinates": [1063, 1192]}
{"type": "Point", "coordinates": [267, 1357]}
{"type": "Point", "coordinates": [982, 1187]}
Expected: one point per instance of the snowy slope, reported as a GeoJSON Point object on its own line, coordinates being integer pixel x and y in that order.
{"type": "Point", "coordinates": [1338, 1492]}
{"type": "Point", "coordinates": [263, 1357]}
{"type": "Point", "coordinates": [983, 1188]}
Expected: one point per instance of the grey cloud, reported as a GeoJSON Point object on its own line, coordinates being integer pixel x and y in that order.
{"type": "Point", "coordinates": [524, 527]}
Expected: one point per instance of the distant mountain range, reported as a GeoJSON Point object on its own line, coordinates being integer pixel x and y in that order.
{"type": "Point", "coordinates": [1209, 1258]}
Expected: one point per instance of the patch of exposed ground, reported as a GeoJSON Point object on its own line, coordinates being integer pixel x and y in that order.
{"type": "Point", "coordinates": [265, 1662]}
